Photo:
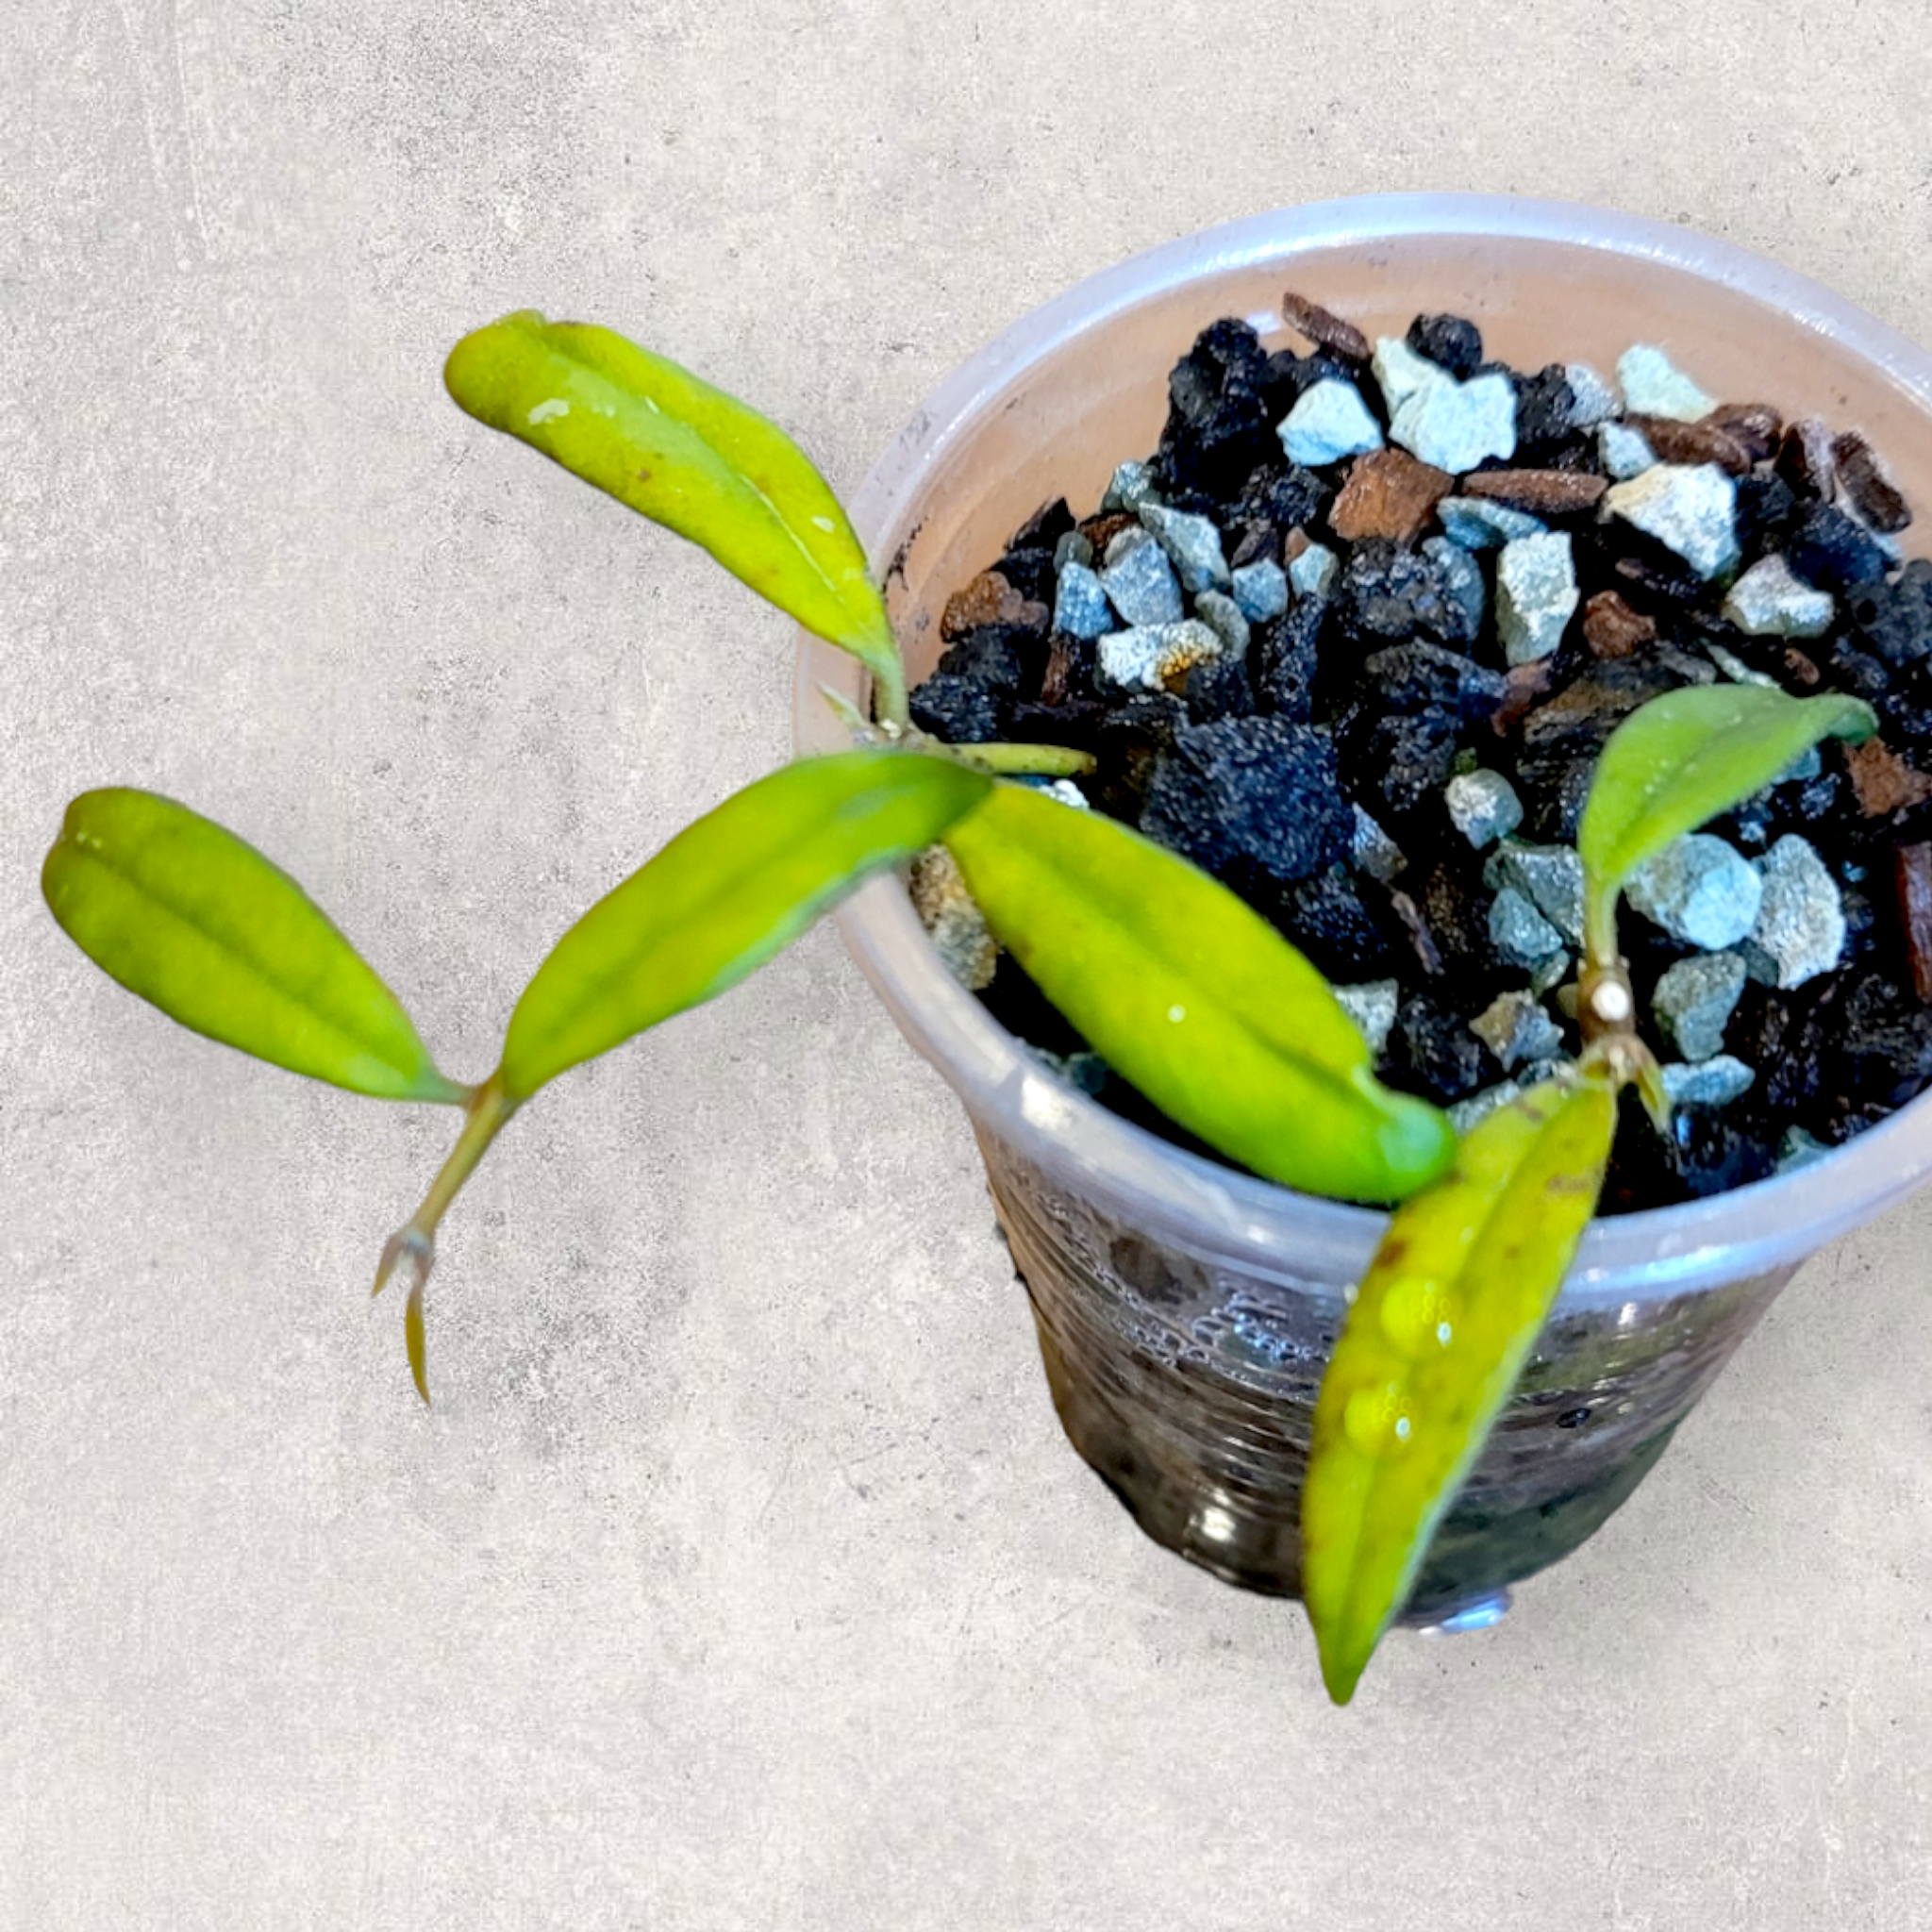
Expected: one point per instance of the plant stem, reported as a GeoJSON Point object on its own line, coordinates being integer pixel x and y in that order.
{"type": "Point", "coordinates": [1028, 761]}
{"type": "Point", "coordinates": [889, 690]}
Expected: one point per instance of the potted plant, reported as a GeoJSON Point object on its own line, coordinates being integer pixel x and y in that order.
{"type": "Point", "coordinates": [194, 921]}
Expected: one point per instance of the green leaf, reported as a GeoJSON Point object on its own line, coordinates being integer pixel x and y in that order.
{"type": "Point", "coordinates": [202, 926]}
{"type": "Point", "coordinates": [1194, 998]}
{"type": "Point", "coordinates": [687, 456]}
{"type": "Point", "coordinates": [1434, 1342]}
{"type": "Point", "coordinates": [724, 895]}
{"type": "Point", "coordinates": [1683, 759]}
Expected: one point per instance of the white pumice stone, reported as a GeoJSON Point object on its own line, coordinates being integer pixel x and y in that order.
{"type": "Point", "coordinates": [1371, 1006]}
{"type": "Point", "coordinates": [1453, 425]}
{"type": "Point", "coordinates": [1624, 452]}
{"type": "Point", "coordinates": [1771, 601]}
{"type": "Point", "coordinates": [1476, 522]}
{"type": "Point", "coordinates": [1374, 851]}
{"type": "Point", "coordinates": [1080, 605]}
{"type": "Point", "coordinates": [1192, 544]}
{"type": "Point", "coordinates": [1141, 585]}
{"type": "Point", "coordinates": [1483, 807]}
{"type": "Point", "coordinates": [1536, 595]}
{"type": "Point", "coordinates": [1715, 1082]}
{"type": "Point", "coordinates": [1313, 571]}
{"type": "Point", "coordinates": [1688, 508]}
{"type": "Point", "coordinates": [1518, 931]}
{"type": "Point", "coordinates": [1694, 1001]}
{"type": "Point", "coordinates": [953, 919]}
{"type": "Point", "coordinates": [1329, 422]}
{"type": "Point", "coordinates": [1592, 400]}
{"type": "Point", "coordinates": [1223, 616]}
{"type": "Point", "coordinates": [1700, 891]}
{"type": "Point", "coordinates": [1655, 385]}
{"type": "Point", "coordinates": [1801, 922]}
{"type": "Point", "coordinates": [1260, 589]}
{"type": "Point", "coordinates": [1132, 486]}
{"type": "Point", "coordinates": [1149, 656]}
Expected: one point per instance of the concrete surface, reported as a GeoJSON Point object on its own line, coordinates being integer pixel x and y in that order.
{"type": "Point", "coordinates": [741, 1577]}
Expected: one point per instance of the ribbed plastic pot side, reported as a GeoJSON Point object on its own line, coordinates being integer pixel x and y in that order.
{"type": "Point", "coordinates": [1185, 1310]}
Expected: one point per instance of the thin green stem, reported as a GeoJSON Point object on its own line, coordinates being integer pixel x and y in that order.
{"type": "Point", "coordinates": [889, 690]}
{"type": "Point", "coordinates": [411, 1250]}
{"type": "Point", "coordinates": [1028, 760]}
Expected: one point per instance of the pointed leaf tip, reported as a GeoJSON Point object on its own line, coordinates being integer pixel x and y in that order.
{"type": "Point", "coordinates": [687, 456]}
{"type": "Point", "coordinates": [413, 1342]}
{"type": "Point", "coordinates": [199, 924]}
{"type": "Point", "coordinates": [730, 891]}
{"type": "Point", "coordinates": [1430, 1350]}
{"type": "Point", "coordinates": [1195, 999]}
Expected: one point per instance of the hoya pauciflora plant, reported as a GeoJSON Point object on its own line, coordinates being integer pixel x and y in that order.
{"type": "Point", "coordinates": [1263, 1064]}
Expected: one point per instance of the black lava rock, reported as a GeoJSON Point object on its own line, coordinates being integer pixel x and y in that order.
{"type": "Point", "coordinates": [1894, 620]}
{"type": "Point", "coordinates": [1885, 1049]}
{"type": "Point", "coordinates": [1417, 677]}
{"type": "Point", "coordinates": [1395, 764]}
{"type": "Point", "coordinates": [1713, 1153]}
{"type": "Point", "coordinates": [1553, 787]}
{"type": "Point", "coordinates": [1432, 1053]}
{"type": "Point", "coordinates": [1765, 504]}
{"type": "Point", "coordinates": [1450, 342]}
{"type": "Point", "coordinates": [1385, 595]}
{"type": "Point", "coordinates": [1218, 426]}
{"type": "Point", "coordinates": [1906, 709]}
{"type": "Point", "coordinates": [992, 659]}
{"type": "Point", "coordinates": [1043, 528]}
{"type": "Point", "coordinates": [1333, 926]}
{"type": "Point", "coordinates": [1826, 548]}
{"type": "Point", "coordinates": [1290, 375]}
{"type": "Point", "coordinates": [1252, 800]}
{"type": "Point", "coordinates": [1543, 402]}
{"type": "Point", "coordinates": [1286, 656]}
{"type": "Point", "coordinates": [1128, 744]}
{"type": "Point", "coordinates": [956, 710]}
{"type": "Point", "coordinates": [1031, 572]}
{"type": "Point", "coordinates": [1283, 495]}
{"type": "Point", "coordinates": [1217, 688]}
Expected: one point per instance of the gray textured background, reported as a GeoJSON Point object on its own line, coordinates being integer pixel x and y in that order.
{"type": "Point", "coordinates": [740, 1576]}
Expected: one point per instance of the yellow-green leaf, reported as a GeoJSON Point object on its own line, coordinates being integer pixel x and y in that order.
{"type": "Point", "coordinates": [202, 926]}
{"type": "Point", "coordinates": [725, 894]}
{"type": "Point", "coordinates": [1683, 759]}
{"type": "Point", "coordinates": [685, 454]}
{"type": "Point", "coordinates": [1432, 1344]}
{"type": "Point", "coordinates": [1194, 998]}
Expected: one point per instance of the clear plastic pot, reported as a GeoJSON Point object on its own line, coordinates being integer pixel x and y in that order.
{"type": "Point", "coordinates": [1186, 1311]}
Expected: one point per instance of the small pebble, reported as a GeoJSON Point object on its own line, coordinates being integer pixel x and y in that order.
{"type": "Point", "coordinates": [1329, 422]}
{"type": "Point", "coordinates": [1801, 922]}
{"type": "Point", "coordinates": [1541, 492]}
{"type": "Point", "coordinates": [1371, 1006]}
{"type": "Point", "coordinates": [1132, 486]}
{"type": "Point", "coordinates": [1735, 667]}
{"type": "Point", "coordinates": [1514, 1027]}
{"type": "Point", "coordinates": [1153, 656]}
{"type": "Point", "coordinates": [953, 919]}
{"type": "Point", "coordinates": [1463, 578]}
{"type": "Point", "coordinates": [1453, 425]}
{"type": "Point", "coordinates": [1654, 386]}
{"type": "Point", "coordinates": [1769, 600]}
{"type": "Point", "coordinates": [1694, 1001]}
{"type": "Point", "coordinates": [1484, 806]}
{"type": "Point", "coordinates": [1067, 793]}
{"type": "Point", "coordinates": [1479, 524]}
{"type": "Point", "coordinates": [1400, 373]}
{"type": "Point", "coordinates": [1550, 877]}
{"type": "Point", "coordinates": [1130, 535]}
{"type": "Point", "coordinates": [1691, 511]}
{"type": "Point", "coordinates": [1260, 589]}
{"type": "Point", "coordinates": [1519, 933]}
{"type": "Point", "coordinates": [1312, 572]}
{"type": "Point", "coordinates": [1714, 1082]}
{"type": "Point", "coordinates": [1388, 494]}
{"type": "Point", "coordinates": [1882, 781]}
{"type": "Point", "coordinates": [1073, 546]}
{"type": "Point", "coordinates": [1799, 1149]}
{"type": "Point", "coordinates": [1612, 629]}
{"type": "Point", "coordinates": [1536, 595]}
{"type": "Point", "coordinates": [1464, 1114]}
{"type": "Point", "coordinates": [1692, 443]}
{"type": "Point", "coordinates": [1192, 545]}
{"type": "Point", "coordinates": [1080, 606]}
{"type": "Point", "coordinates": [1223, 616]}
{"type": "Point", "coordinates": [1374, 851]}
{"type": "Point", "coordinates": [1700, 891]}
{"type": "Point", "coordinates": [1623, 451]}
{"type": "Point", "coordinates": [1592, 400]}
{"type": "Point", "coordinates": [1142, 587]}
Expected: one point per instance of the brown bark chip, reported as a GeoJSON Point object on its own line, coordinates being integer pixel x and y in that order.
{"type": "Point", "coordinates": [1693, 443]}
{"type": "Point", "coordinates": [1757, 426]}
{"type": "Point", "coordinates": [1803, 670]}
{"type": "Point", "coordinates": [1388, 494]}
{"type": "Point", "coordinates": [1883, 780]}
{"type": "Point", "coordinates": [1542, 492]}
{"type": "Point", "coordinates": [1805, 459]}
{"type": "Point", "coordinates": [1612, 629]}
{"type": "Point", "coordinates": [1864, 478]}
{"type": "Point", "coordinates": [989, 599]}
{"type": "Point", "coordinates": [1101, 532]}
{"type": "Point", "coordinates": [1913, 869]}
{"type": "Point", "coordinates": [1328, 331]}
